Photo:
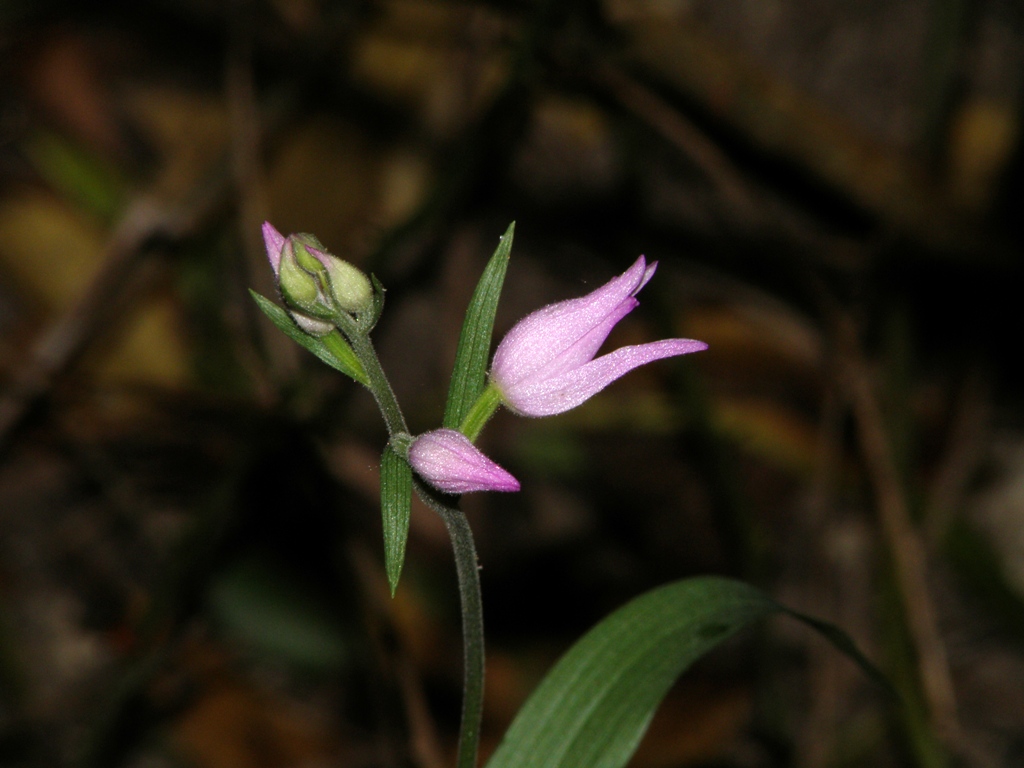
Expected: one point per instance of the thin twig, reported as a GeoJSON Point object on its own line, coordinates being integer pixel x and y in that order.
{"type": "Point", "coordinates": [145, 222]}
{"type": "Point", "coordinates": [818, 735]}
{"type": "Point", "coordinates": [752, 206]}
{"type": "Point", "coordinates": [59, 345]}
{"type": "Point", "coordinates": [681, 132]}
{"type": "Point", "coordinates": [424, 744]}
{"type": "Point", "coordinates": [965, 452]}
{"type": "Point", "coordinates": [247, 324]}
{"type": "Point", "coordinates": [902, 540]}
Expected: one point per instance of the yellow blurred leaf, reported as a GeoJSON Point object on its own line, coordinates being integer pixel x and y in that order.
{"type": "Point", "coordinates": [324, 180]}
{"type": "Point", "coordinates": [53, 252]}
{"type": "Point", "coordinates": [189, 131]}
{"type": "Point", "coordinates": [148, 349]}
{"type": "Point", "coordinates": [983, 136]}
{"type": "Point", "coordinates": [50, 249]}
{"type": "Point", "coordinates": [769, 430]}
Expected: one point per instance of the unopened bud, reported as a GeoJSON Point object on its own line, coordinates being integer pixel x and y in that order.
{"type": "Point", "coordinates": [326, 282]}
{"type": "Point", "coordinates": [298, 286]}
{"type": "Point", "coordinates": [311, 325]}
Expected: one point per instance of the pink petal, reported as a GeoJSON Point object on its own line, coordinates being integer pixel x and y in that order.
{"type": "Point", "coordinates": [451, 463]}
{"type": "Point", "coordinates": [543, 335]}
{"type": "Point", "coordinates": [648, 274]}
{"type": "Point", "coordinates": [579, 353]}
{"type": "Point", "coordinates": [274, 241]}
{"type": "Point", "coordinates": [573, 388]}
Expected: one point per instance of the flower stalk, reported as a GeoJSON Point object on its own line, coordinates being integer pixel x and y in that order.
{"type": "Point", "coordinates": [463, 546]}
{"type": "Point", "coordinates": [468, 571]}
{"type": "Point", "coordinates": [377, 382]}
{"type": "Point", "coordinates": [480, 412]}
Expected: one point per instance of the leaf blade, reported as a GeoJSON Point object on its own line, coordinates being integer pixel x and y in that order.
{"type": "Point", "coordinates": [395, 505]}
{"type": "Point", "coordinates": [593, 707]}
{"type": "Point", "coordinates": [471, 357]}
{"type": "Point", "coordinates": [338, 355]}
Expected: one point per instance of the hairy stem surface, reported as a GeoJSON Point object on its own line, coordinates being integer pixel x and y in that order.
{"type": "Point", "coordinates": [468, 573]}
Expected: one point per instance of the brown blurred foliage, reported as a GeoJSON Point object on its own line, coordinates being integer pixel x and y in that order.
{"type": "Point", "coordinates": [190, 560]}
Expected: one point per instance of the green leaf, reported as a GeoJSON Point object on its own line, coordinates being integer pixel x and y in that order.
{"type": "Point", "coordinates": [272, 613]}
{"type": "Point", "coordinates": [395, 501]}
{"type": "Point", "coordinates": [471, 357]}
{"type": "Point", "coordinates": [331, 349]}
{"type": "Point", "coordinates": [592, 709]}
{"type": "Point", "coordinates": [378, 303]}
{"type": "Point", "coordinates": [81, 176]}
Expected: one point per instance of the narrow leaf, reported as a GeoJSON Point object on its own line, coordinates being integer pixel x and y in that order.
{"type": "Point", "coordinates": [471, 357]}
{"type": "Point", "coordinates": [395, 501]}
{"type": "Point", "coordinates": [333, 349]}
{"type": "Point", "coordinates": [844, 643]}
{"type": "Point", "coordinates": [80, 175]}
{"type": "Point", "coordinates": [594, 706]}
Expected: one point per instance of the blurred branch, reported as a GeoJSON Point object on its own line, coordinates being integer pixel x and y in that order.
{"type": "Point", "coordinates": [902, 540]}
{"type": "Point", "coordinates": [780, 121]}
{"type": "Point", "coordinates": [145, 226]}
{"type": "Point", "coordinates": [143, 223]}
{"type": "Point", "coordinates": [965, 451]}
{"type": "Point", "coordinates": [424, 742]}
{"type": "Point", "coordinates": [941, 79]}
{"type": "Point", "coordinates": [829, 684]}
{"type": "Point", "coordinates": [247, 324]}
{"type": "Point", "coordinates": [684, 135]}
{"type": "Point", "coordinates": [757, 210]}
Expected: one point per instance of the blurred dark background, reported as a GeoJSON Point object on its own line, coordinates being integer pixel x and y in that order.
{"type": "Point", "coordinates": [190, 547]}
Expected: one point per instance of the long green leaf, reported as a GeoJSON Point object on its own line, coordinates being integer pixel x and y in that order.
{"type": "Point", "coordinates": [468, 377]}
{"type": "Point", "coordinates": [77, 173]}
{"type": "Point", "coordinates": [333, 349]}
{"type": "Point", "coordinates": [395, 503]}
{"type": "Point", "coordinates": [594, 706]}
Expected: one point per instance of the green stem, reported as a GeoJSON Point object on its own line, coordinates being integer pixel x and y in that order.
{"type": "Point", "coordinates": [480, 412]}
{"type": "Point", "coordinates": [468, 573]}
{"type": "Point", "coordinates": [461, 536]}
{"type": "Point", "coordinates": [378, 384]}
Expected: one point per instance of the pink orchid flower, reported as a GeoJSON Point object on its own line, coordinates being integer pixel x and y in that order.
{"type": "Point", "coordinates": [451, 463]}
{"type": "Point", "coordinates": [546, 365]}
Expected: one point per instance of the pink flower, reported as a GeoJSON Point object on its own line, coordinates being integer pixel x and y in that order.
{"type": "Point", "coordinates": [451, 463]}
{"type": "Point", "coordinates": [546, 365]}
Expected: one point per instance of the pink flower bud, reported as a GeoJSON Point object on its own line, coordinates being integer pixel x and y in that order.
{"type": "Point", "coordinates": [451, 463]}
{"type": "Point", "coordinates": [546, 365]}
{"type": "Point", "coordinates": [274, 241]}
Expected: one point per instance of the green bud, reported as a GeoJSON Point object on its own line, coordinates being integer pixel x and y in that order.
{"type": "Point", "coordinates": [319, 284]}
{"type": "Point", "coordinates": [301, 243]}
{"type": "Point", "coordinates": [349, 287]}
{"type": "Point", "coordinates": [298, 287]}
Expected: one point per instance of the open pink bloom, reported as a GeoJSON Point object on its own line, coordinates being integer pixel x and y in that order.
{"type": "Point", "coordinates": [451, 463]}
{"type": "Point", "coordinates": [546, 365]}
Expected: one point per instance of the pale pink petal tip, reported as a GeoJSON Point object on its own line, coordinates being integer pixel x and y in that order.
{"type": "Point", "coordinates": [546, 364]}
{"type": "Point", "coordinates": [451, 463]}
{"type": "Point", "coordinates": [274, 241]}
